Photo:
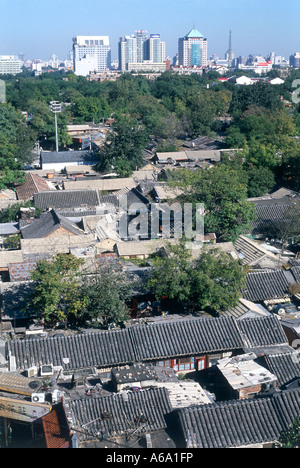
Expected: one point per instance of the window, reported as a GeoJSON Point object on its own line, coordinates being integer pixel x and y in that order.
{"type": "Point", "coordinates": [183, 364]}
{"type": "Point", "coordinates": [201, 364]}
{"type": "Point", "coordinates": [166, 363]}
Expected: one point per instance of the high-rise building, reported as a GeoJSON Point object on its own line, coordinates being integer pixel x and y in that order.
{"type": "Point", "coordinates": [295, 60]}
{"type": "Point", "coordinates": [155, 49]}
{"type": "Point", "coordinates": [10, 65]}
{"type": "Point", "coordinates": [139, 50]}
{"type": "Point", "coordinates": [141, 39]}
{"type": "Point", "coordinates": [127, 51]}
{"type": "Point", "coordinates": [192, 50]}
{"type": "Point", "coordinates": [91, 54]}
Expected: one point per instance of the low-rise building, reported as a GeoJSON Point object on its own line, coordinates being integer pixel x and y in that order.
{"type": "Point", "coordinates": [59, 161]}
{"type": "Point", "coordinates": [245, 377]}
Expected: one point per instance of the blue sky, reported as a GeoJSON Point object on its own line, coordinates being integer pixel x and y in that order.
{"type": "Point", "coordinates": [40, 28]}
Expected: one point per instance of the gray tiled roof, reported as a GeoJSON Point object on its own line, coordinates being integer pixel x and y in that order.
{"type": "Point", "coordinates": [83, 350]}
{"type": "Point", "coordinates": [239, 423]}
{"type": "Point", "coordinates": [284, 366]}
{"type": "Point", "coordinates": [270, 212]}
{"type": "Point", "coordinates": [249, 252]}
{"type": "Point", "coordinates": [245, 308]}
{"type": "Point", "coordinates": [133, 344]}
{"type": "Point", "coordinates": [7, 229]}
{"type": "Point", "coordinates": [66, 199]}
{"type": "Point", "coordinates": [48, 224]}
{"type": "Point", "coordinates": [266, 284]}
{"type": "Point", "coordinates": [185, 338]}
{"type": "Point", "coordinates": [125, 199]}
{"type": "Point", "coordinates": [83, 157]}
{"type": "Point", "coordinates": [143, 411]}
{"type": "Point", "coordinates": [262, 332]}
{"type": "Point", "coordinates": [133, 196]}
{"type": "Point", "coordinates": [142, 343]}
{"type": "Point", "coordinates": [296, 273]}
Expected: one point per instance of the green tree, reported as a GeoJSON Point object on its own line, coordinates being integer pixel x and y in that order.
{"type": "Point", "coordinates": [260, 181]}
{"type": "Point", "coordinates": [291, 437]}
{"type": "Point", "coordinates": [217, 281]}
{"type": "Point", "coordinates": [212, 283]}
{"type": "Point", "coordinates": [259, 94]}
{"type": "Point", "coordinates": [286, 227]}
{"type": "Point", "coordinates": [235, 138]}
{"type": "Point", "coordinates": [223, 191]}
{"type": "Point", "coordinates": [17, 133]}
{"type": "Point", "coordinates": [90, 109]}
{"type": "Point", "coordinates": [290, 169]}
{"type": "Point", "coordinates": [123, 149]}
{"type": "Point", "coordinates": [12, 212]}
{"type": "Point", "coordinates": [11, 170]}
{"type": "Point", "coordinates": [261, 155]}
{"type": "Point", "coordinates": [12, 242]}
{"type": "Point", "coordinates": [171, 272]}
{"type": "Point", "coordinates": [56, 295]}
{"type": "Point", "coordinates": [106, 294]}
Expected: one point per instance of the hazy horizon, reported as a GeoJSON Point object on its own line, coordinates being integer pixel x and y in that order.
{"type": "Point", "coordinates": [40, 28]}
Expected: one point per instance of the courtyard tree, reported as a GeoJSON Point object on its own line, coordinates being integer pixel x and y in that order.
{"type": "Point", "coordinates": [56, 296]}
{"type": "Point", "coordinates": [223, 190]}
{"type": "Point", "coordinates": [212, 283]}
{"type": "Point", "coordinates": [106, 294]}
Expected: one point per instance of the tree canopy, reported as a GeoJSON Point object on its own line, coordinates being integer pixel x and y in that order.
{"type": "Point", "coordinates": [212, 283]}
{"type": "Point", "coordinates": [223, 191]}
{"type": "Point", "coordinates": [167, 110]}
{"type": "Point", "coordinates": [123, 150]}
{"type": "Point", "coordinates": [56, 295]}
{"type": "Point", "coordinates": [291, 437]}
{"type": "Point", "coordinates": [106, 294]}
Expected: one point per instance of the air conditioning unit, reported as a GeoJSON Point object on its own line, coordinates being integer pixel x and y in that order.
{"type": "Point", "coordinates": [38, 398]}
{"type": "Point", "coordinates": [31, 372]}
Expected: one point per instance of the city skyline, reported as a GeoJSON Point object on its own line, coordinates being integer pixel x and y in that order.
{"type": "Point", "coordinates": [256, 28]}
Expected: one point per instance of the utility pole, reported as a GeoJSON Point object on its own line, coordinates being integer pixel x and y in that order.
{"type": "Point", "coordinates": [55, 107]}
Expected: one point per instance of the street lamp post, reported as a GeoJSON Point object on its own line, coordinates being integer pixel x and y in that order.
{"type": "Point", "coordinates": [55, 107]}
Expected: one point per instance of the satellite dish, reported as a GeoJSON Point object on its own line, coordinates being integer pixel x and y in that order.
{"type": "Point", "coordinates": [34, 384]}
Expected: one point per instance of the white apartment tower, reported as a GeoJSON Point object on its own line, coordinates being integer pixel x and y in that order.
{"type": "Point", "coordinates": [155, 49]}
{"type": "Point", "coordinates": [10, 65]}
{"type": "Point", "coordinates": [192, 50]}
{"type": "Point", "coordinates": [140, 51]}
{"type": "Point", "coordinates": [91, 54]}
{"type": "Point", "coordinates": [128, 51]}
